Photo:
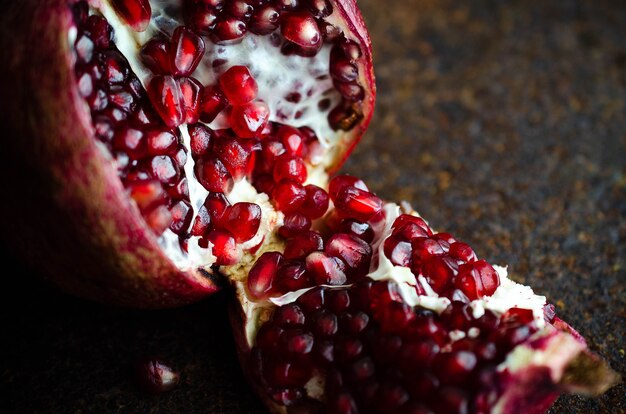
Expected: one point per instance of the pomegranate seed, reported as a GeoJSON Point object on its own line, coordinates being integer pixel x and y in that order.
{"type": "Point", "coordinates": [159, 219]}
{"type": "Point", "coordinates": [438, 271]}
{"type": "Point", "coordinates": [262, 275]}
{"type": "Point", "coordinates": [315, 202]}
{"type": "Point", "coordinates": [292, 139]}
{"type": "Point", "coordinates": [407, 218]}
{"type": "Point", "coordinates": [242, 220]}
{"type": "Point", "coordinates": [212, 103]}
{"type": "Point", "coordinates": [351, 91]}
{"type": "Point", "coordinates": [268, 335]}
{"type": "Point", "coordinates": [288, 167]}
{"type": "Point", "coordinates": [294, 224]}
{"type": "Point", "coordinates": [288, 196]}
{"type": "Point", "coordinates": [202, 17]}
{"type": "Point", "coordinates": [240, 9]}
{"type": "Point", "coordinates": [155, 55]}
{"type": "Point", "coordinates": [348, 349]}
{"type": "Point", "coordinates": [213, 175]}
{"type": "Point", "coordinates": [301, 28]}
{"type": "Point", "coordinates": [292, 276]}
{"type": "Point", "coordinates": [186, 51]}
{"type": "Point", "coordinates": [289, 315]}
{"type": "Point", "coordinates": [228, 31]}
{"type": "Point", "coordinates": [249, 120]}
{"type": "Point", "coordinates": [354, 252]}
{"type": "Point", "coordinates": [342, 70]}
{"type": "Point", "coordinates": [201, 139]}
{"type": "Point", "coordinates": [286, 374]}
{"type": "Point", "coordinates": [477, 279]}
{"type": "Point", "coordinates": [326, 269]}
{"type": "Point", "coordinates": [181, 217]}
{"type": "Point", "coordinates": [164, 169]}
{"type": "Point", "coordinates": [324, 323]}
{"type": "Point", "coordinates": [136, 13]}
{"type": "Point", "coordinates": [224, 247]}
{"type": "Point", "coordinates": [296, 342]}
{"type": "Point", "coordinates": [343, 403]}
{"type": "Point", "coordinates": [131, 141]}
{"type": "Point", "coordinates": [462, 251]}
{"type": "Point", "coordinates": [339, 182]}
{"type": "Point", "coordinates": [398, 251]}
{"type": "Point", "coordinates": [410, 231]}
{"type": "Point", "coordinates": [191, 91]}
{"type": "Point", "coordinates": [116, 67]}
{"type": "Point", "coordinates": [236, 155]}
{"type": "Point", "coordinates": [302, 244]}
{"type": "Point", "coordinates": [160, 142]}
{"type": "Point", "coordinates": [426, 246]}
{"type": "Point", "coordinates": [455, 366]}
{"type": "Point", "coordinates": [147, 194]}
{"type": "Point", "coordinates": [264, 20]}
{"type": "Point", "coordinates": [166, 96]}
{"type": "Point", "coordinates": [216, 205]}
{"type": "Point", "coordinates": [155, 376]}
{"type": "Point", "coordinates": [238, 85]}
{"type": "Point", "coordinates": [359, 204]}
{"type": "Point", "coordinates": [354, 324]}
{"type": "Point", "coordinates": [84, 49]}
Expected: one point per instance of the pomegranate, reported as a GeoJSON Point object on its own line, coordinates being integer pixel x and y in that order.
{"type": "Point", "coordinates": [174, 137]}
{"type": "Point", "coordinates": [384, 314]}
{"type": "Point", "coordinates": [170, 145]}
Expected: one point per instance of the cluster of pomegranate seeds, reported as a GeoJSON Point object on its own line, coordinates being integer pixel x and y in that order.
{"type": "Point", "coordinates": [310, 259]}
{"type": "Point", "coordinates": [377, 354]}
{"type": "Point", "coordinates": [450, 267]}
{"type": "Point", "coordinates": [303, 29]}
{"type": "Point", "coordinates": [148, 153]}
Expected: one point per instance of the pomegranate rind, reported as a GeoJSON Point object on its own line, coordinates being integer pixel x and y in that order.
{"type": "Point", "coordinates": [348, 18]}
{"type": "Point", "coordinates": [70, 216]}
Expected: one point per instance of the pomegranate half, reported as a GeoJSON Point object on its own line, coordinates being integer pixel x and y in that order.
{"type": "Point", "coordinates": [137, 125]}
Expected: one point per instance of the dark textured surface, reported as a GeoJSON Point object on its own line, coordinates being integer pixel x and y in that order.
{"type": "Point", "coordinates": [502, 122]}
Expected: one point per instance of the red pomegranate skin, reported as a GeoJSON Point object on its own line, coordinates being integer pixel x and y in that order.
{"type": "Point", "coordinates": [65, 210]}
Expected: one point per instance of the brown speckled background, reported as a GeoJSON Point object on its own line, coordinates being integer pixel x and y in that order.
{"type": "Point", "coordinates": [503, 122]}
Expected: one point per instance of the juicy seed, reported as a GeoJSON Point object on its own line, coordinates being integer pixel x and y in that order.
{"type": "Point", "coordinates": [264, 20]}
{"type": "Point", "coordinates": [191, 91]}
{"type": "Point", "coordinates": [228, 31]}
{"type": "Point", "coordinates": [155, 376]}
{"type": "Point", "coordinates": [341, 181]}
{"type": "Point", "coordinates": [262, 275]}
{"type": "Point", "coordinates": [186, 51]}
{"type": "Point", "coordinates": [301, 28]}
{"type": "Point", "coordinates": [355, 203]}
{"type": "Point", "coordinates": [477, 279]}
{"type": "Point", "coordinates": [288, 196]}
{"type": "Point", "coordinates": [294, 224]}
{"type": "Point", "coordinates": [238, 85]}
{"type": "Point", "coordinates": [224, 247]}
{"type": "Point", "coordinates": [213, 175]}
{"type": "Point", "coordinates": [325, 269]}
{"type": "Point", "coordinates": [166, 96]}
{"type": "Point", "coordinates": [302, 244]}
{"type": "Point", "coordinates": [242, 220]}
{"type": "Point", "coordinates": [212, 103]}
{"type": "Point", "coordinates": [201, 138]}
{"type": "Point", "coordinates": [290, 168]}
{"type": "Point", "coordinates": [136, 13]}
{"type": "Point", "coordinates": [155, 54]}
{"type": "Point", "coordinates": [315, 202]}
{"type": "Point", "coordinates": [354, 252]}
{"type": "Point", "coordinates": [248, 120]}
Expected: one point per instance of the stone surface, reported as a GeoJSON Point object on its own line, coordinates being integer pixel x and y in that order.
{"type": "Point", "coordinates": [502, 122]}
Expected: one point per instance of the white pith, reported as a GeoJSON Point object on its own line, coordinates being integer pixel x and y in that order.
{"type": "Point", "coordinates": [276, 74]}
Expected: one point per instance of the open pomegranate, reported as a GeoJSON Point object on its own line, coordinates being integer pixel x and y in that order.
{"type": "Point", "coordinates": [173, 137]}
{"type": "Point", "coordinates": [168, 145]}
